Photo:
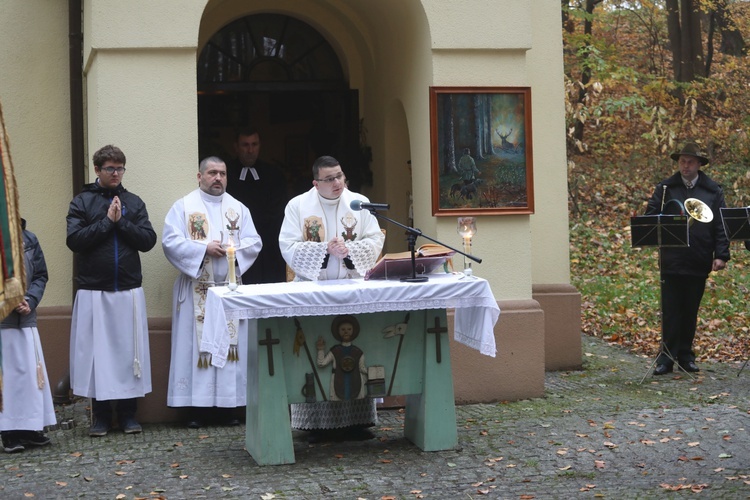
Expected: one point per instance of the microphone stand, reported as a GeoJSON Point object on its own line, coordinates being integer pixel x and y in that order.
{"type": "Point", "coordinates": [411, 236]}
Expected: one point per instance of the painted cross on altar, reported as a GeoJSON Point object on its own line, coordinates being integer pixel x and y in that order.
{"type": "Point", "coordinates": [269, 343]}
{"type": "Point", "coordinates": [437, 330]}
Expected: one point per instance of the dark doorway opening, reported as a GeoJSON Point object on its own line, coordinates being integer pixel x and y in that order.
{"type": "Point", "coordinates": [280, 75]}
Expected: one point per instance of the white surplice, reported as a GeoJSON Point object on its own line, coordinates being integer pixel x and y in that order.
{"type": "Point", "coordinates": [311, 221]}
{"type": "Point", "coordinates": [114, 327]}
{"type": "Point", "coordinates": [27, 407]}
{"type": "Point", "coordinates": [209, 386]}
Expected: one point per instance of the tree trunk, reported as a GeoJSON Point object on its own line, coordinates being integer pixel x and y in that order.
{"type": "Point", "coordinates": [732, 42]}
{"type": "Point", "coordinates": [675, 34]}
{"type": "Point", "coordinates": [586, 71]}
{"type": "Point", "coordinates": [695, 41]}
{"type": "Point", "coordinates": [488, 125]}
{"type": "Point", "coordinates": [710, 42]}
{"type": "Point", "coordinates": [684, 28]}
{"type": "Point", "coordinates": [478, 132]}
{"type": "Point", "coordinates": [449, 153]}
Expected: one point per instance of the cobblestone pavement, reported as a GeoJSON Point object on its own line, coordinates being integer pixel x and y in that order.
{"type": "Point", "coordinates": [597, 433]}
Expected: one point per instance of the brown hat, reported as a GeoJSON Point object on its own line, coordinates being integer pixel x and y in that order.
{"type": "Point", "coordinates": [690, 149]}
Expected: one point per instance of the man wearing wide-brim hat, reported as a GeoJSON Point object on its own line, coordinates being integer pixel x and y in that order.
{"type": "Point", "coordinates": [690, 149]}
{"type": "Point", "coordinates": [684, 269]}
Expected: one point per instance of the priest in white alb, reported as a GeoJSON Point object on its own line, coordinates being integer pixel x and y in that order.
{"type": "Point", "coordinates": [201, 231]}
{"type": "Point", "coordinates": [323, 238]}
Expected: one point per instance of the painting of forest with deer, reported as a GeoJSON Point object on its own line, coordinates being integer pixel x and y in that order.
{"type": "Point", "coordinates": [481, 150]}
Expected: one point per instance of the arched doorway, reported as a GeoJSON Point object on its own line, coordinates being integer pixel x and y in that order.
{"type": "Point", "coordinates": [280, 75]}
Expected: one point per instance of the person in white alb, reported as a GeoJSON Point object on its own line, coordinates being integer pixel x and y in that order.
{"type": "Point", "coordinates": [323, 238]}
{"type": "Point", "coordinates": [28, 407]}
{"type": "Point", "coordinates": [110, 361]}
{"type": "Point", "coordinates": [199, 230]}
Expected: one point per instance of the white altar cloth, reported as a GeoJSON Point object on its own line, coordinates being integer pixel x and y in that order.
{"type": "Point", "coordinates": [476, 308]}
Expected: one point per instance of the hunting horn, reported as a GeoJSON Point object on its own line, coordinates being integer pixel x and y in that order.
{"type": "Point", "coordinates": [696, 209]}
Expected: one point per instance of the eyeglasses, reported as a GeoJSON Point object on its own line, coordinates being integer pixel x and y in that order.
{"type": "Point", "coordinates": [112, 170]}
{"type": "Point", "coordinates": [329, 180]}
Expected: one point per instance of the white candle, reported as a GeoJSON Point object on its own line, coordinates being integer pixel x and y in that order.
{"type": "Point", "coordinates": [230, 259]}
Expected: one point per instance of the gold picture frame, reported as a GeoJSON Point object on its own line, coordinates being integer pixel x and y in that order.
{"type": "Point", "coordinates": [481, 148]}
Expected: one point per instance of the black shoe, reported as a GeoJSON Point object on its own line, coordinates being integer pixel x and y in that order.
{"type": "Point", "coordinates": [129, 425]}
{"type": "Point", "coordinates": [233, 422]}
{"type": "Point", "coordinates": [99, 428]}
{"type": "Point", "coordinates": [11, 443]}
{"type": "Point", "coordinates": [663, 369]}
{"type": "Point", "coordinates": [33, 438]}
{"type": "Point", "coordinates": [194, 423]}
{"type": "Point", "coordinates": [360, 434]}
{"type": "Point", "coordinates": [690, 366]}
{"type": "Point", "coordinates": [316, 436]}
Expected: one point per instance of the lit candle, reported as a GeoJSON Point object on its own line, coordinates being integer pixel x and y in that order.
{"type": "Point", "coordinates": [467, 228]}
{"type": "Point", "coordinates": [230, 259]}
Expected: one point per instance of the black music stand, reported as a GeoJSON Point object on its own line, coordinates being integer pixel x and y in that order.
{"type": "Point", "coordinates": [660, 231]}
{"type": "Point", "coordinates": [736, 222]}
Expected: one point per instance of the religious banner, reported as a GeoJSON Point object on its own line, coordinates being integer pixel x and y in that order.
{"type": "Point", "coordinates": [12, 284]}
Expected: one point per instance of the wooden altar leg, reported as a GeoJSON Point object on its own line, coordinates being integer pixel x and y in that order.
{"type": "Point", "coordinates": [431, 416]}
{"type": "Point", "coordinates": [268, 434]}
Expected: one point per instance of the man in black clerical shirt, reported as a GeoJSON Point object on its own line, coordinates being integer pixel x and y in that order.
{"type": "Point", "coordinates": [262, 188]}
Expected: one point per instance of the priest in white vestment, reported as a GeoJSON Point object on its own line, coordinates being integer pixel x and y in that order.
{"type": "Point", "coordinates": [200, 230]}
{"type": "Point", "coordinates": [323, 238]}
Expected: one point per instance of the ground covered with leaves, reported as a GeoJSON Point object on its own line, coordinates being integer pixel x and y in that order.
{"type": "Point", "coordinates": [619, 284]}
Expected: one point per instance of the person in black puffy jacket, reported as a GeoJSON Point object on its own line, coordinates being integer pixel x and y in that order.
{"type": "Point", "coordinates": [684, 270]}
{"type": "Point", "coordinates": [109, 352]}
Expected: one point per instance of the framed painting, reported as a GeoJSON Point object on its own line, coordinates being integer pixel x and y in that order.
{"type": "Point", "coordinates": [480, 140]}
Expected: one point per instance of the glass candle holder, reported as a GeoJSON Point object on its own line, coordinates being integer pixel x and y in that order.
{"type": "Point", "coordinates": [467, 228]}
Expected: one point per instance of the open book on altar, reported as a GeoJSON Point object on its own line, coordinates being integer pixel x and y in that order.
{"type": "Point", "coordinates": [428, 257]}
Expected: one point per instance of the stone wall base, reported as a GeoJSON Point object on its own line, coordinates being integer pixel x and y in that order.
{"type": "Point", "coordinates": [561, 304]}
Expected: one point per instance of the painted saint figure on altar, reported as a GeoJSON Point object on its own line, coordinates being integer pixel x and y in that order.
{"type": "Point", "coordinates": [349, 371]}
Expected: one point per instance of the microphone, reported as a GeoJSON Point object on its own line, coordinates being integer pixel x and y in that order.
{"type": "Point", "coordinates": [357, 205]}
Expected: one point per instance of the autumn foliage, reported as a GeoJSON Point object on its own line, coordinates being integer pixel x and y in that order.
{"type": "Point", "coordinates": [625, 113]}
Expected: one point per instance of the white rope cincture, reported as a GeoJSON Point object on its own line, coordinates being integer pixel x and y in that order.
{"type": "Point", "coordinates": [39, 371]}
{"type": "Point", "coordinates": [136, 361]}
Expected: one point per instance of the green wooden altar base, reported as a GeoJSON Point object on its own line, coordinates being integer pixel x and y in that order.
{"type": "Point", "coordinates": [416, 364]}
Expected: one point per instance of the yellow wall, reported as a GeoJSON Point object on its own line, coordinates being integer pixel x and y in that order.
{"type": "Point", "coordinates": [35, 99]}
{"type": "Point", "coordinates": [139, 63]}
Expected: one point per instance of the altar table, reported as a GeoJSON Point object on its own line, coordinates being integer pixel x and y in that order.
{"type": "Point", "coordinates": [403, 336]}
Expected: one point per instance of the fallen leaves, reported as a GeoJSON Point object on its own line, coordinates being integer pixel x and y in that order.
{"type": "Point", "coordinates": [695, 488]}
